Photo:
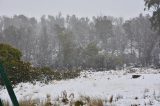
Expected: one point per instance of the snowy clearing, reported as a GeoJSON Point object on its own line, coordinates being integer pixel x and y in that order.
{"type": "Point", "coordinates": [126, 91]}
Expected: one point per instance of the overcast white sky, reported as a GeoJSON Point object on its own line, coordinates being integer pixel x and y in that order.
{"type": "Point", "coordinates": [37, 8]}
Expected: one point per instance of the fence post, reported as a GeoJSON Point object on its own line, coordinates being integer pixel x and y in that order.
{"type": "Point", "coordinates": [8, 86]}
{"type": "Point", "coordinates": [1, 104]}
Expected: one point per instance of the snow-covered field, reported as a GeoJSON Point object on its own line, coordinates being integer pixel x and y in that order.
{"type": "Point", "coordinates": [125, 90]}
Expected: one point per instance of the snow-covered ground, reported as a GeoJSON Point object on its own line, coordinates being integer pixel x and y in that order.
{"type": "Point", "coordinates": [126, 91]}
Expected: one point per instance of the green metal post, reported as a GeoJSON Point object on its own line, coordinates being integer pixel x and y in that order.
{"type": "Point", "coordinates": [8, 86]}
{"type": "Point", "coordinates": [1, 104]}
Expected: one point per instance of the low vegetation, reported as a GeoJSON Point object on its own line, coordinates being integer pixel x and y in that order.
{"type": "Point", "coordinates": [47, 102]}
{"type": "Point", "coordinates": [20, 71]}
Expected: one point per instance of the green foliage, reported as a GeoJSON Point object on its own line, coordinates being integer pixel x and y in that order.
{"type": "Point", "coordinates": [92, 58]}
{"type": "Point", "coordinates": [99, 62]}
{"type": "Point", "coordinates": [152, 3]}
{"type": "Point", "coordinates": [91, 49]}
{"type": "Point", "coordinates": [46, 74]}
{"type": "Point", "coordinates": [8, 53]}
{"type": "Point", "coordinates": [103, 26]}
{"type": "Point", "coordinates": [89, 54]}
{"type": "Point", "coordinates": [67, 48]}
{"type": "Point", "coordinates": [20, 71]}
{"type": "Point", "coordinates": [17, 70]}
{"type": "Point", "coordinates": [112, 61]}
{"type": "Point", "coordinates": [155, 19]}
{"type": "Point", "coordinates": [79, 103]}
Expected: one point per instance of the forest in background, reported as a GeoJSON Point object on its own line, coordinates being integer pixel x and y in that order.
{"type": "Point", "coordinates": [103, 42]}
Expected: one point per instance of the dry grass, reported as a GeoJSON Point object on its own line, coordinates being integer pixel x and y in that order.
{"type": "Point", "coordinates": [27, 103]}
{"type": "Point", "coordinates": [111, 99]}
{"type": "Point", "coordinates": [87, 101]}
{"type": "Point", "coordinates": [96, 102]}
{"type": "Point", "coordinates": [31, 102]}
{"type": "Point", "coordinates": [6, 103]}
{"type": "Point", "coordinates": [83, 101]}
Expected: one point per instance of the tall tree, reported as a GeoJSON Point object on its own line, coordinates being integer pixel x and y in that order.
{"type": "Point", "coordinates": [103, 27]}
{"type": "Point", "coordinates": [154, 5]}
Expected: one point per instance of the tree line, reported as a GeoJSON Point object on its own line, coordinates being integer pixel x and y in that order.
{"type": "Point", "coordinates": [103, 42]}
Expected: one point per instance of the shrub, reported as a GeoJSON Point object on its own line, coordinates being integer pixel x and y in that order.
{"type": "Point", "coordinates": [96, 102]}
{"type": "Point", "coordinates": [79, 103]}
{"type": "Point", "coordinates": [109, 61]}
{"type": "Point", "coordinates": [17, 70]}
{"type": "Point", "coordinates": [54, 74]}
{"type": "Point", "coordinates": [20, 71]}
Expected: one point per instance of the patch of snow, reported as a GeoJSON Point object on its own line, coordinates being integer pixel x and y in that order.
{"type": "Point", "coordinates": [119, 84]}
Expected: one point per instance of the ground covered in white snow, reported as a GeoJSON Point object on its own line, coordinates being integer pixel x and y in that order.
{"type": "Point", "coordinates": [125, 90]}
